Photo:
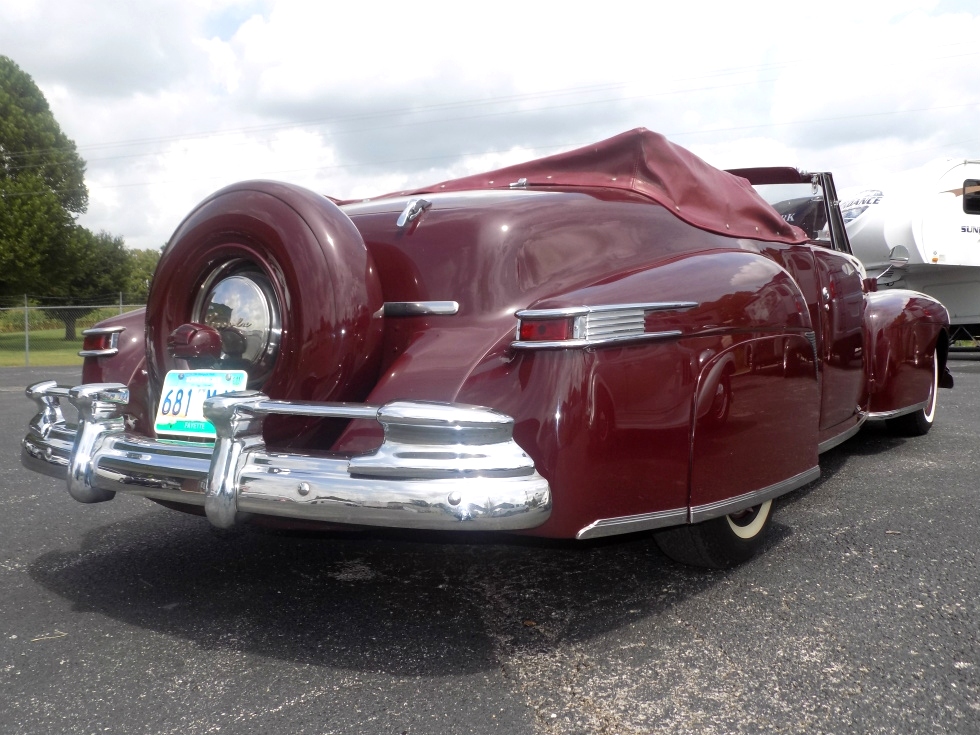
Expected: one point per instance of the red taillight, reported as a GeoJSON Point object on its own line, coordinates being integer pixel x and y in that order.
{"type": "Point", "coordinates": [546, 330]}
{"type": "Point", "coordinates": [97, 342]}
{"type": "Point", "coordinates": [100, 342]}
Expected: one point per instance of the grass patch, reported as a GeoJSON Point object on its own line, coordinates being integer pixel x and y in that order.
{"type": "Point", "coordinates": [48, 348]}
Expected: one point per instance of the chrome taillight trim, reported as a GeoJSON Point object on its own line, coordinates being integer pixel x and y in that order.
{"type": "Point", "coordinates": [569, 344]}
{"type": "Point", "coordinates": [580, 310]}
{"type": "Point", "coordinates": [601, 325]}
{"type": "Point", "coordinates": [552, 313]}
{"type": "Point", "coordinates": [113, 347]}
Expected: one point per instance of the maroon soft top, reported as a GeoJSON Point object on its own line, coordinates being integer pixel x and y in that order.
{"type": "Point", "coordinates": [646, 162]}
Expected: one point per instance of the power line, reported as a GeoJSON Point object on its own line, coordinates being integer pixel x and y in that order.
{"type": "Point", "coordinates": [455, 105]}
{"type": "Point", "coordinates": [563, 146]}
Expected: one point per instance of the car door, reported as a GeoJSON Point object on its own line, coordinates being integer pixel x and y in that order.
{"type": "Point", "coordinates": [832, 282]}
{"type": "Point", "coordinates": [841, 307]}
{"type": "Point", "coordinates": [841, 339]}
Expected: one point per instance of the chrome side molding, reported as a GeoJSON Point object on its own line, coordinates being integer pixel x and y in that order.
{"type": "Point", "coordinates": [884, 415]}
{"type": "Point", "coordinates": [748, 500]}
{"type": "Point", "coordinates": [421, 308]}
{"type": "Point", "coordinates": [846, 434]}
{"type": "Point", "coordinates": [697, 513]}
{"type": "Point", "coordinates": [631, 524]}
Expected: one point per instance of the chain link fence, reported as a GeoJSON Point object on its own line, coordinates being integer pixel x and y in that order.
{"type": "Point", "coordinates": [42, 332]}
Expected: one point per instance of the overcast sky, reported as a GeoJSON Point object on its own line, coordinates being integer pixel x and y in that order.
{"type": "Point", "coordinates": [170, 100]}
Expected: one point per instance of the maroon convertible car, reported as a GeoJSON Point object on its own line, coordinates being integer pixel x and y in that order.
{"type": "Point", "coordinates": [616, 339]}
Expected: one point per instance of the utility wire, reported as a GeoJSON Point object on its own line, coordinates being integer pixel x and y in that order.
{"type": "Point", "coordinates": [458, 105]}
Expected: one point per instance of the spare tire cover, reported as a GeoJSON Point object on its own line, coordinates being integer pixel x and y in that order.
{"type": "Point", "coordinates": [322, 276]}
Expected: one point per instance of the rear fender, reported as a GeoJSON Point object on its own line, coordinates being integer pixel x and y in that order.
{"type": "Point", "coordinates": [618, 429]}
{"type": "Point", "coordinates": [120, 367]}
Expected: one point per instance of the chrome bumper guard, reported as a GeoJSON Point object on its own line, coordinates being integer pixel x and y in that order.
{"type": "Point", "coordinates": [440, 466]}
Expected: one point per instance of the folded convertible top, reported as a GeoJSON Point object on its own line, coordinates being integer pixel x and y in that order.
{"type": "Point", "coordinates": [647, 163]}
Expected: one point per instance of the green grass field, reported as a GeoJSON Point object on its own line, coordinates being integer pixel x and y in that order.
{"type": "Point", "coordinates": [48, 347]}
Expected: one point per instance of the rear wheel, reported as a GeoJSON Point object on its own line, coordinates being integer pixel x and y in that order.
{"type": "Point", "coordinates": [719, 543]}
{"type": "Point", "coordinates": [919, 422]}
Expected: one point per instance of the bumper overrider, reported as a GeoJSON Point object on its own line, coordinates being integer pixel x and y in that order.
{"type": "Point", "coordinates": [441, 466]}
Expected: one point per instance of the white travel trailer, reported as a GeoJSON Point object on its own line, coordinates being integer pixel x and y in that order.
{"type": "Point", "coordinates": [934, 212]}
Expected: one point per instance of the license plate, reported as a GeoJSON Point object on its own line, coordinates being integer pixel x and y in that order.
{"type": "Point", "coordinates": [181, 409]}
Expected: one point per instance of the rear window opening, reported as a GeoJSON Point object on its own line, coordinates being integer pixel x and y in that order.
{"type": "Point", "coordinates": [971, 196]}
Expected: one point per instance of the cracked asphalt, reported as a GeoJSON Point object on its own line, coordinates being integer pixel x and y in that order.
{"type": "Point", "coordinates": [862, 614]}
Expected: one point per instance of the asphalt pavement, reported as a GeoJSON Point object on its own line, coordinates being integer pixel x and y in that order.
{"type": "Point", "coordinates": [862, 614]}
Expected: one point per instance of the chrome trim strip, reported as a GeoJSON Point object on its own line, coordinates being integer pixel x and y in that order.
{"type": "Point", "coordinates": [113, 347]}
{"type": "Point", "coordinates": [568, 344]}
{"type": "Point", "coordinates": [440, 466]}
{"type": "Point", "coordinates": [630, 524]}
{"type": "Point", "coordinates": [747, 500]}
{"type": "Point", "coordinates": [309, 408]}
{"type": "Point", "coordinates": [843, 436]}
{"type": "Point", "coordinates": [421, 308]}
{"type": "Point", "coordinates": [581, 310]}
{"type": "Point", "coordinates": [882, 415]}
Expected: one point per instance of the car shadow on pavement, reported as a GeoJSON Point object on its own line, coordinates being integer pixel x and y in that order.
{"type": "Point", "coordinates": [399, 603]}
{"type": "Point", "coordinates": [394, 603]}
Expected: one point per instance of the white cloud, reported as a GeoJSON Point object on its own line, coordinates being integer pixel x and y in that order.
{"type": "Point", "coordinates": [170, 101]}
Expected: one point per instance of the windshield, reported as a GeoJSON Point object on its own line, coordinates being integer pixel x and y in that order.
{"type": "Point", "coordinates": [799, 204]}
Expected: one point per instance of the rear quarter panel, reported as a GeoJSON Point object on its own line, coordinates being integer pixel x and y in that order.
{"type": "Point", "coordinates": [128, 367]}
{"type": "Point", "coordinates": [629, 430]}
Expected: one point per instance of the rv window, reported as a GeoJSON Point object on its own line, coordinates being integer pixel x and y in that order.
{"type": "Point", "coordinates": [971, 196]}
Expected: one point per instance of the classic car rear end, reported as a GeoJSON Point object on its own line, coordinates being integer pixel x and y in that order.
{"type": "Point", "coordinates": [616, 339]}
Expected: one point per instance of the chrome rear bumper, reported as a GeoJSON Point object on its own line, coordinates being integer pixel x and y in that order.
{"type": "Point", "coordinates": [440, 466]}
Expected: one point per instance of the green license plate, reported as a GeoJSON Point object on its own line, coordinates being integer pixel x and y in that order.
{"type": "Point", "coordinates": [181, 409]}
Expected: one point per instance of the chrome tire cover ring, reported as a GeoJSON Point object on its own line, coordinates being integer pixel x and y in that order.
{"type": "Point", "coordinates": [238, 300]}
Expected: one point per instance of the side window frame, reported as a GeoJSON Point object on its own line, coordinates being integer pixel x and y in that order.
{"type": "Point", "coordinates": [835, 220]}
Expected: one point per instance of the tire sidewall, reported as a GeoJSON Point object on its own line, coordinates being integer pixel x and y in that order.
{"type": "Point", "coordinates": [753, 530]}
{"type": "Point", "coordinates": [929, 411]}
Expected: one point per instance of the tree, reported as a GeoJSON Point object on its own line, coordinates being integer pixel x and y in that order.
{"type": "Point", "coordinates": [33, 228]}
{"type": "Point", "coordinates": [42, 185]}
{"type": "Point", "coordinates": [94, 266]}
{"type": "Point", "coordinates": [142, 263]}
